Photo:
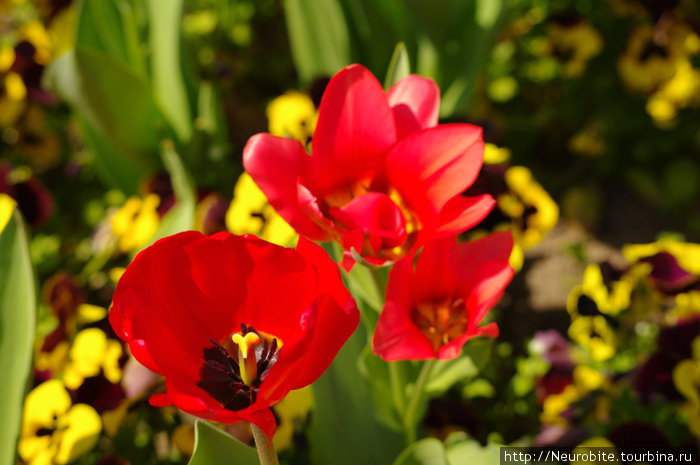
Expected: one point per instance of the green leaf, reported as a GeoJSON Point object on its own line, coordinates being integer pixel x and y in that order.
{"type": "Point", "coordinates": [168, 83]}
{"type": "Point", "coordinates": [117, 170]}
{"type": "Point", "coordinates": [399, 66]}
{"type": "Point", "coordinates": [470, 451]}
{"type": "Point", "coordinates": [362, 284]}
{"type": "Point", "coordinates": [376, 372]}
{"type": "Point", "coordinates": [429, 451]}
{"type": "Point", "coordinates": [109, 26]}
{"type": "Point", "coordinates": [488, 12]}
{"type": "Point", "coordinates": [449, 372]}
{"type": "Point", "coordinates": [116, 102]}
{"type": "Point", "coordinates": [344, 429]}
{"type": "Point", "coordinates": [180, 217]}
{"type": "Point", "coordinates": [446, 373]}
{"type": "Point", "coordinates": [214, 447]}
{"type": "Point", "coordinates": [17, 322]}
{"type": "Point", "coordinates": [318, 34]}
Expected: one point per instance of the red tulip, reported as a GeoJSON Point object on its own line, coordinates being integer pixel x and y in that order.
{"type": "Point", "coordinates": [433, 309]}
{"type": "Point", "coordinates": [233, 323]}
{"type": "Point", "coordinates": [382, 178]}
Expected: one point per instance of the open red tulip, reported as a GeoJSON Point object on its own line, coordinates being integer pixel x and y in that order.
{"type": "Point", "coordinates": [433, 309]}
{"type": "Point", "coordinates": [233, 323]}
{"type": "Point", "coordinates": [383, 178]}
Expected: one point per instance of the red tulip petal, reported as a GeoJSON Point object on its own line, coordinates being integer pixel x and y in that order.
{"type": "Point", "coordinates": [348, 261]}
{"type": "Point", "coordinates": [477, 271]}
{"type": "Point", "coordinates": [489, 330]}
{"type": "Point", "coordinates": [335, 319]}
{"type": "Point", "coordinates": [355, 129]}
{"type": "Point", "coordinates": [432, 166]}
{"type": "Point", "coordinates": [278, 165]}
{"type": "Point", "coordinates": [265, 420]}
{"type": "Point", "coordinates": [415, 102]}
{"type": "Point", "coordinates": [283, 374]}
{"type": "Point", "coordinates": [378, 219]}
{"type": "Point", "coordinates": [309, 207]}
{"type": "Point", "coordinates": [436, 271]}
{"type": "Point", "coordinates": [494, 247]}
{"type": "Point", "coordinates": [160, 400]}
{"type": "Point", "coordinates": [396, 337]}
{"type": "Point", "coordinates": [189, 289]}
{"type": "Point", "coordinates": [452, 349]}
{"type": "Point", "coordinates": [493, 277]}
{"type": "Point", "coordinates": [277, 301]}
{"type": "Point", "coordinates": [219, 268]}
{"type": "Point", "coordinates": [462, 213]}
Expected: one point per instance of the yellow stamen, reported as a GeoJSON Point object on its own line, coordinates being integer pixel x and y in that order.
{"type": "Point", "coordinates": [248, 365]}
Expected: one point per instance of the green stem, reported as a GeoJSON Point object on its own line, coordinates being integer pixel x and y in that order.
{"type": "Point", "coordinates": [396, 372]}
{"type": "Point", "coordinates": [266, 454]}
{"type": "Point", "coordinates": [409, 420]}
{"type": "Point", "coordinates": [379, 284]}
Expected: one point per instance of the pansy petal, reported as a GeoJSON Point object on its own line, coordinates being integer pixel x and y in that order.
{"type": "Point", "coordinates": [355, 129]}
{"type": "Point", "coordinates": [430, 167]}
{"type": "Point", "coordinates": [277, 164]}
{"type": "Point", "coordinates": [415, 101]}
{"type": "Point", "coordinates": [82, 429]}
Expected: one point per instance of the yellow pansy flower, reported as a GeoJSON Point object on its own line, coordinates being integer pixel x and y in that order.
{"type": "Point", "coordinates": [7, 206]}
{"type": "Point", "coordinates": [556, 404]}
{"type": "Point", "coordinates": [35, 33]}
{"type": "Point", "coordinates": [249, 213]}
{"type": "Point", "coordinates": [610, 301]}
{"type": "Point", "coordinates": [136, 222]}
{"type": "Point", "coordinates": [292, 412]}
{"type": "Point", "coordinates": [595, 335]}
{"type": "Point", "coordinates": [494, 155]}
{"type": "Point", "coordinates": [579, 42]}
{"type": "Point", "coordinates": [294, 115]}
{"type": "Point", "coordinates": [686, 254]}
{"type": "Point", "coordinates": [91, 353]}
{"type": "Point", "coordinates": [53, 430]}
{"type": "Point", "coordinates": [525, 189]}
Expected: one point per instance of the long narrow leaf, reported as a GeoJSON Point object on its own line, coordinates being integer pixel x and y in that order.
{"type": "Point", "coordinates": [345, 430]}
{"type": "Point", "coordinates": [168, 83]}
{"type": "Point", "coordinates": [181, 216]}
{"type": "Point", "coordinates": [17, 322]}
{"type": "Point", "coordinates": [318, 33]}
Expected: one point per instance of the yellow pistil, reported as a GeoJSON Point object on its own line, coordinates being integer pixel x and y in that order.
{"type": "Point", "coordinates": [248, 364]}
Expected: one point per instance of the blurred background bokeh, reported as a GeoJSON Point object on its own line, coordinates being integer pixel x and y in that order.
{"type": "Point", "coordinates": [122, 121]}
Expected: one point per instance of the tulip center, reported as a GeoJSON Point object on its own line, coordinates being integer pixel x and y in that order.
{"type": "Point", "coordinates": [234, 368]}
{"type": "Point", "coordinates": [344, 195]}
{"type": "Point", "coordinates": [441, 321]}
